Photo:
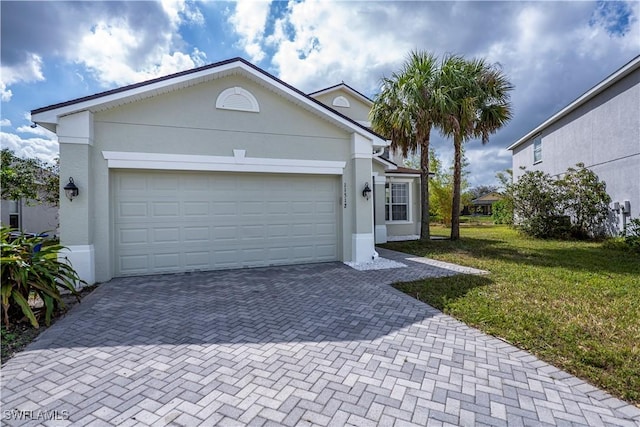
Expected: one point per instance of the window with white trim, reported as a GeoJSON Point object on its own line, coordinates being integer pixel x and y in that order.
{"type": "Point", "coordinates": [537, 149]}
{"type": "Point", "coordinates": [396, 201]}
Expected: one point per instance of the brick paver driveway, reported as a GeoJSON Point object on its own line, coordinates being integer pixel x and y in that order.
{"type": "Point", "coordinates": [309, 345]}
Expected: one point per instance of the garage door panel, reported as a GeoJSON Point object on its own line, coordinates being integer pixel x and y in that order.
{"type": "Point", "coordinates": [196, 209]}
{"type": "Point", "coordinates": [175, 221]}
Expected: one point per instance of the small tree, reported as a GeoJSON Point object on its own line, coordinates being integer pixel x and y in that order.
{"type": "Point", "coordinates": [585, 201]}
{"type": "Point", "coordinates": [536, 205]}
{"type": "Point", "coordinates": [503, 209]}
{"type": "Point", "coordinates": [576, 204]}
{"type": "Point", "coordinates": [30, 179]}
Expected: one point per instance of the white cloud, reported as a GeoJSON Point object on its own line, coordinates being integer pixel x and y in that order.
{"type": "Point", "coordinates": [249, 19]}
{"type": "Point", "coordinates": [40, 148]}
{"type": "Point", "coordinates": [5, 123]}
{"type": "Point", "coordinates": [30, 70]}
{"type": "Point", "coordinates": [107, 53]}
{"type": "Point", "coordinates": [38, 130]}
{"type": "Point", "coordinates": [320, 43]}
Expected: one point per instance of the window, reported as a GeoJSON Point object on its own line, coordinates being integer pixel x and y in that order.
{"type": "Point", "coordinates": [14, 214]}
{"type": "Point", "coordinates": [537, 149]}
{"type": "Point", "coordinates": [397, 201]}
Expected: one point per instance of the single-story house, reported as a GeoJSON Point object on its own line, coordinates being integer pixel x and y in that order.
{"type": "Point", "coordinates": [223, 166]}
{"type": "Point", "coordinates": [483, 205]}
{"type": "Point", "coordinates": [600, 129]}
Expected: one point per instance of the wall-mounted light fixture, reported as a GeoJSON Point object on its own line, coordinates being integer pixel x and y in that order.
{"type": "Point", "coordinates": [366, 191]}
{"type": "Point", "coordinates": [71, 190]}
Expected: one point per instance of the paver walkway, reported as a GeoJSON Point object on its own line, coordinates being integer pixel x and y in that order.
{"type": "Point", "coordinates": [316, 344]}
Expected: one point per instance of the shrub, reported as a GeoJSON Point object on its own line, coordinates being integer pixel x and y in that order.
{"type": "Point", "coordinates": [632, 239]}
{"type": "Point", "coordinates": [31, 270]}
{"type": "Point", "coordinates": [574, 205]}
{"type": "Point", "coordinates": [502, 211]}
{"type": "Point", "coordinates": [585, 200]}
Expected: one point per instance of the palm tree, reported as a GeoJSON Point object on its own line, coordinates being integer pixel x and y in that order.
{"type": "Point", "coordinates": [478, 104]}
{"type": "Point", "coordinates": [405, 111]}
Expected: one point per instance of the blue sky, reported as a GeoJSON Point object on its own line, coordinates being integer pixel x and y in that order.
{"type": "Point", "coordinates": [552, 51]}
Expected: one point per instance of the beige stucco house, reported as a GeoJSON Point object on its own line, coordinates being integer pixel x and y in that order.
{"type": "Point", "coordinates": [223, 166]}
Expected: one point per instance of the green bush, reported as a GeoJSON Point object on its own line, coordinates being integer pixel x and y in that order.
{"type": "Point", "coordinates": [31, 270]}
{"type": "Point", "coordinates": [502, 211]}
{"type": "Point", "coordinates": [632, 239]}
{"type": "Point", "coordinates": [575, 205]}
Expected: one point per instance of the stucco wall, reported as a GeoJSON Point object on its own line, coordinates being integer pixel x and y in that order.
{"type": "Point", "coordinates": [604, 134]}
{"type": "Point", "coordinates": [412, 227]}
{"type": "Point", "coordinates": [187, 122]}
{"type": "Point", "coordinates": [36, 218]}
{"type": "Point", "coordinates": [358, 110]}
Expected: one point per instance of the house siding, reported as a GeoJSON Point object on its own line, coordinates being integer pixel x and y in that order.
{"type": "Point", "coordinates": [358, 110]}
{"type": "Point", "coordinates": [604, 134]}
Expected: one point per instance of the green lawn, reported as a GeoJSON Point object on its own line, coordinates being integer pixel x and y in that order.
{"type": "Point", "coordinates": [573, 304]}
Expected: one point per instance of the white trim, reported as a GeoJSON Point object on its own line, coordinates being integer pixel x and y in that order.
{"type": "Point", "coordinates": [381, 234]}
{"type": "Point", "coordinates": [385, 162]}
{"type": "Point", "coordinates": [82, 259]}
{"type": "Point", "coordinates": [166, 85]}
{"type": "Point", "coordinates": [621, 73]}
{"type": "Point", "coordinates": [223, 98]}
{"type": "Point", "coordinates": [361, 147]}
{"type": "Point", "coordinates": [403, 238]}
{"type": "Point", "coordinates": [409, 182]}
{"type": "Point", "coordinates": [366, 123]}
{"type": "Point", "coordinates": [347, 89]}
{"type": "Point", "coordinates": [236, 163]}
{"type": "Point", "coordinates": [362, 247]}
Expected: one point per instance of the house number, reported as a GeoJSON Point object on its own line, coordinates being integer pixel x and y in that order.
{"type": "Point", "coordinates": [345, 195]}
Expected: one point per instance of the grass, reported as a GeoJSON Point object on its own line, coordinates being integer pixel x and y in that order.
{"type": "Point", "coordinates": [573, 304]}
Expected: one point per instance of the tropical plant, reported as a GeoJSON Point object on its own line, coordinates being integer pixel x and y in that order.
{"type": "Point", "coordinates": [31, 270]}
{"type": "Point", "coordinates": [405, 110]}
{"type": "Point", "coordinates": [441, 186]}
{"type": "Point", "coordinates": [476, 104]}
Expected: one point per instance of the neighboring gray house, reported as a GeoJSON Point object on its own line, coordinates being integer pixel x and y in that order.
{"type": "Point", "coordinates": [30, 218]}
{"type": "Point", "coordinates": [600, 129]}
{"type": "Point", "coordinates": [222, 166]}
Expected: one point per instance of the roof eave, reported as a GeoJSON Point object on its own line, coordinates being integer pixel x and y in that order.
{"type": "Point", "coordinates": [49, 116]}
{"type": "Point", "coordinates": [618, 75]}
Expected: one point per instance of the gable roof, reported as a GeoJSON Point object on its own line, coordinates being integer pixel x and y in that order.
{"type": "Point", "coordinates": [48, 116]}
{"type": "Point", "coordinates": [347, 89]}
{"type": "Point", "coordinates": [618, 75]}
{"type": "Point", "coordinates": [487, 199]}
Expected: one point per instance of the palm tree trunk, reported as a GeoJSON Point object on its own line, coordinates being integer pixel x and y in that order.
{"type": "Point", "coordinates": [457, 179]}
{"type": "Point", "coordinates": [424, 186]}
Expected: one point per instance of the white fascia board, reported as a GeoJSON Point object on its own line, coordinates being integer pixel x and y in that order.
{"type": "Point", "coordinates": [185, 162]}
{"type": "Point", "coordinates": [591, 93]}
{"type": "Point", "coordinates": [52, 116]}
{"type": "Point", "coordinates": [385, 162]}
{"type": "Point", "coordinates": [347, 89]}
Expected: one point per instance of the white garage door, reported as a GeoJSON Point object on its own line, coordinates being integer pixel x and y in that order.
{"type": "Point", "coordinates": [177, 221]}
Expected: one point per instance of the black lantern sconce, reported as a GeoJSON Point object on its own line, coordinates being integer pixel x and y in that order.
{"type": "Point", "coordinates": [367, 191]}
{"type": "Point", "coordinates": [71, 190]}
